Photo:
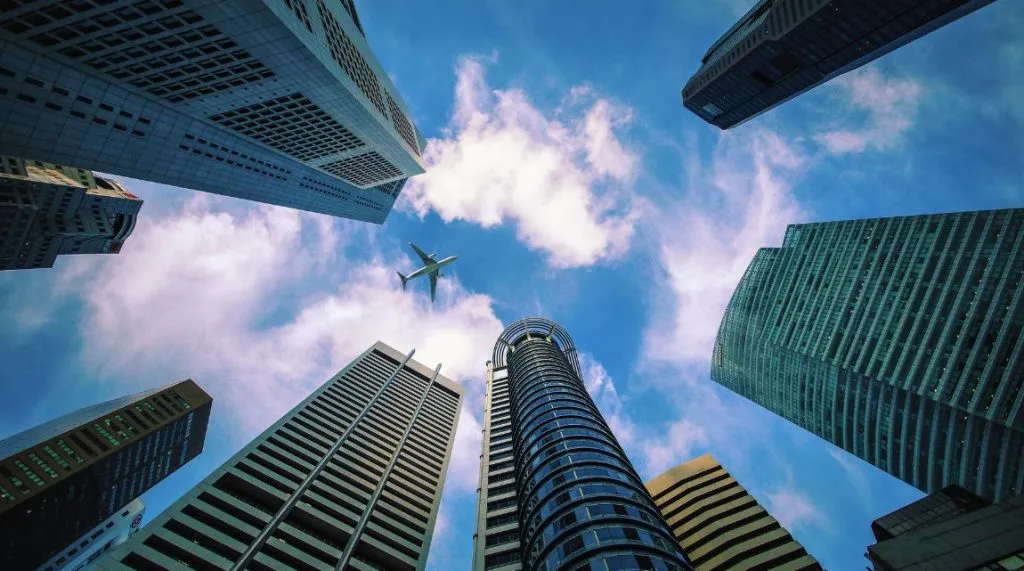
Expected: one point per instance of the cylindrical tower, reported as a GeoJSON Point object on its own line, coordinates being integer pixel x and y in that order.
{"type": "Point", "coordinates": [582, 506]}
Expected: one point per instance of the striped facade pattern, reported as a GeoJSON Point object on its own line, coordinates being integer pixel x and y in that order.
{"type": "Point", "coordinates": [783, 48]}
{"type": "Point", "coordinates": [719, 525]}
{"type": "Point", "coordinates": [578, 502]}
{"type": "Point", "coordinates": [65, 477]}
{"type": "Point", "coordinates": [896, 339]}
{"type": "Point", "coordinates": [351, 478]}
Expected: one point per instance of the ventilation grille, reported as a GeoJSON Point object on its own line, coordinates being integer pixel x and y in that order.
{"type": "Point", "coordinates": [348, 57]}
{"type": "Point", "coordinates": [154, 45]}
{"type": "Point", "coordinates": [220, 153]}
{"type": "Point", "coordinates": [298, 7]}
{"type": "Point", "coordinates": [364, 169]}
{"type": "Point", "coordinates": [402, 125]}
{"type": "Point", "coordinates": [291, 124]}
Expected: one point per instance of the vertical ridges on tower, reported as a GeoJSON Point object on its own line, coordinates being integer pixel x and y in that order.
{"type": "Point", "coordinates": [350, 478]}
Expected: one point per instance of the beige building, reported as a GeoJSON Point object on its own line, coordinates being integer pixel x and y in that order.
{"type": "Point", "coordinates": [719, 524]}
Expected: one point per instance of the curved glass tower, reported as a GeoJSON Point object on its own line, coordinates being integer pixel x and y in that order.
{"type": "Point", "coordinates": [580, 504]}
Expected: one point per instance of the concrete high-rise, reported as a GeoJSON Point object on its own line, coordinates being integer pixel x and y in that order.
{"type": "Point", "coordinates": [952, 530]}
{"type": "Point", "coordinates": [350, 478]}
{"type": "Point", "coordinates": [720, 525]}
{"type": "Point", "coordinates": [896, 339]}
{"type": "Point", "coordinates": [278, 101]}
{"type": "Point", "coordinates": [782, 48]}
{"type": "Point", "coordinates": [48, 210]}
{"type": "Point", "coordinates": [66, 477]}
{"type": "Point", "coordinates": [97, 541]}
{"type": "Point", "coordinates": [556, 489]}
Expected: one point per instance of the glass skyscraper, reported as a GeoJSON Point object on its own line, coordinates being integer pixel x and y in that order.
{"type": "Point", "coordinates": [556, 489]}
{"type": "Point", "coordinates": [278, 101]}
{"type": "Point", "coordinates": [719, 525]}
{"type": "Point", "coordinates": [68, 476]}
{"type": "Point", "coordinates": [349, 479]}
{"type": "Point", "coordinates": [49, 210]}
{"type": "Point", "coordinates": [782, 48]}
{"type": "Point", "coordinates": [896, 339]}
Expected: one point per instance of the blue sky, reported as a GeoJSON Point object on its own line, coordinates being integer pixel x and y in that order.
{"type": "Point", "coordinates": [572, 183]}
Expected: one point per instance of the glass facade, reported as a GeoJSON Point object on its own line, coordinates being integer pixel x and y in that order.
{"type": "Point", "coordinates": [277, 101]}
{"type": "Point", "coordinates": [62, 479]}
{"type": "Point", "coordinates": [572, 497]}
{"type": "Point", "coordinates": [782, 48]}
{"type": "Point", "coordinates": [896, 339]}
{"type": "Point", "coordinates": [350, 478]}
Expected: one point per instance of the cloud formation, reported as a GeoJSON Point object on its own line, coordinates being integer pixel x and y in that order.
{"type": "Point", "coordinates": [886, 105]}
{"type": "Point", "coordinates": [563, 180]}
{"type": "Point", "coordinates": [794, 510]}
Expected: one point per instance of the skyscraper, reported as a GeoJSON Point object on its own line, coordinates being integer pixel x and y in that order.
{"type": "Point", "coordinates": [896, 339]}
{"type": "Point", "coordinates": [556, 489]}
{"type": "Point", "coordinates": [350, 478]}
{"type": "Point", "coordinates": [278, 101]}
{"type": "Point", "coordinates": [782, 48]}
{"type": "Point", "coordinates": [953, 530]}
{"type": "Point", "coordinates": [110, 533]}
{"type": "Point", "coordinates": [65, 477]}
{"type": "Point", "coordinates": [48, 210]}
{"type": "Point", "coordinates": [720, 525]}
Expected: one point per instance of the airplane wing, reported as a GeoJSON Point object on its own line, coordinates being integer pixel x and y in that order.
{"type": "Point", "coordinates": [427, 260]}
{"type": "Point", "coordinates": [433, 286]}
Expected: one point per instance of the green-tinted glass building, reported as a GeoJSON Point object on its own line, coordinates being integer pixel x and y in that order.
{"type": "Point", "coordinates": [896, 339]}
{"type": "Point", "coordinates": [350, 478]}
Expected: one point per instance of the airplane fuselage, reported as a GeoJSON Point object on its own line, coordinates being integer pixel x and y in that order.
{"type": "Point", "coordinates": [432, 268]}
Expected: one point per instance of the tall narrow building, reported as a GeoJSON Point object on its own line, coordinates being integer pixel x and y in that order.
{"type": "Point", "coordinates": [68, 476]}
{"type": "Point", "coordinates": [896, 339]}
{"type": "Point", "coordinates": [782, 48]}
{"type": "Point", "coordinates": [278, 101]}
{"type": "Point", "coordinates": [719, 525]}
{"type": "Point", "coordinates": [952, 530]}
{"type": "Point", "coordinates": [556, 489]}
{"type": "Point", "coordinates": [48, 210]}
{"type": "Point", "coordinates": [350, 478]}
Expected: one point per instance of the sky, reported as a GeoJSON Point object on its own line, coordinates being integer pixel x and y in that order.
{"type": "Point", "coordinates": [567, 176]}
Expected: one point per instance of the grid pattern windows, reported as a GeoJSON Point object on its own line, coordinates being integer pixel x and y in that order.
{"type": "Point", "coordinates": [402, 124]}
{"type": "Point", "coordinates": [349, 59]}
{"type": "Point", "coordinates": [154, 45]}
{"type": "Point", "coordinates": [225, 155]}
{"type": "Point", "coordinates": [364, 169]}
{"type": "Point", "coordinates": [291, 124]}
{"type": "Point", "coordinates": [392, 188]}
{"type": "Point", "coordinates": [298, 7]}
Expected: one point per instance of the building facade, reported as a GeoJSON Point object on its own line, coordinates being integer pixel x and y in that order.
{"type": "Point", "coordinates": [556, 489]}
{"type": "Point", "coordinates": [782, 48]}
{"type": "Point", "coordinates": [278, 101]}
{"type": "Point", "coordinates": [896, 339]}
{"type": "Point", "coordinates": [953, 530]}
{"type": "Point", "coordinates": [350, 478]}
{"type": "Point", "coordinates": [67, 476]}
{"type": "Point", "coordinates": [720, 525]}
{"type": "Point", "coordinates": [97, 541]}
{"type": "Point", "coordinates": [48, 210]}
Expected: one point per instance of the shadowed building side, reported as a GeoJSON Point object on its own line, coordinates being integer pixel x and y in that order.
{"type": "Point", "coordinates": [720, 525]}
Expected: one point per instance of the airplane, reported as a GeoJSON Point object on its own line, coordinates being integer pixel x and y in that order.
{"type": "Point", "coordinates": [431, 267]}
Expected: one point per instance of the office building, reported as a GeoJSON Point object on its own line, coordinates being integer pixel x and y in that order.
{"type": "Point", "coordinates": [350, 478]}
{"type": "Point", "coordinates": [48, 210]}
{"type": "Point", "coordinates": [97, 541]}
{"type": "Point", "coordinates": [719, 525]}
{"type": "Point", "coordinates": [953, 530]}
{"type": "Point", "coordinates": [277, 101]}
{"type": "Point", "coordinates": [896, 339]}
{"type": "Point", "coordinates": [782, 48]}
{"type": "Point", "coordinates": [556, 489]}
{"type": "Point", "coordinates": [64, 478]}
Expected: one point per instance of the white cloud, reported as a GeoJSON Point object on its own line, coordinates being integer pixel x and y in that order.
{"type": "Point", "coordinates": [564, 181]}
{"type": "Point", "coordinates": [887, 106]}
{"type": "Point", "coordinates": [677, 444]}
{"type": "Point", "coordinates": [794, 509]}
{"type": "Point", "coordinates": [602, 389]}
{"type": "Point", "coordinates": [707, 239]}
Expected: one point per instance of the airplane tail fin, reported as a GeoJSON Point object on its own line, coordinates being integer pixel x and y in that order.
{"type": "Point", "coordinates": [403, 278]}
